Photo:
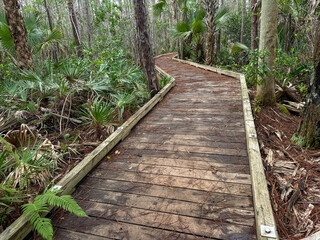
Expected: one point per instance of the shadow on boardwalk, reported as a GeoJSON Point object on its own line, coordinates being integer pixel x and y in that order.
{"type": "Point", "coordinates": [182, 173]}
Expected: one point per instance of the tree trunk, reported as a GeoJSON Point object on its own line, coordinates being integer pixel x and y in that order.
{"type": "Point", "coordinates": [288, 34]}
{"type": "Point", "coordinates": [243, 19]}
{"type": "Point", "coordinates": [89, 23]}
{"type": "Point", "coordinates": [18, 33]}
{"type": "Point", "coordinates": [210, 7]}
{"type": "Point", "coordinates": [155, 31]}
{"type": "Point", "coordinates": [254, 25]}
{"type": "Point", "coordinates": [145, 46]}
{"type": "Point", "coordinates": [55, 47]}
{"type": "Point", "coordinates": [75, 28]}
{"type": "Point", "coordinates": [268, 42]}
{"type": "Point", "coordinates": [309, 127]}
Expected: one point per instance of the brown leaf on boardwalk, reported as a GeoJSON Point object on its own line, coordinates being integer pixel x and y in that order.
{"type": "Point", "coordinates": [213, 169]}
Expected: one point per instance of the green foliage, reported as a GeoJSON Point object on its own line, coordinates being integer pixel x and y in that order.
{"type": "Point", "coordinates": [122, 101]}
{"type": "Point", "coordinates": [99, 112]}
{"type": "Point", "coordinates": [34, 211]}
{"type": "Point", "coordinates": [289, 69]}
{"type": "Point", "coordinates": [283, 109]}
{"type": "Point", "coordinates": [298, 140]}
{"type": "Point", "coordinates": [158, 8]}
{"type": "Point", "coordinates": [164, 81]}
{"type": "Point", "coordinates": [257, 69]}
{"type": "Point", "coordinates": [26, 165]}
{"type": "Point", "coordinates": [232, 28]}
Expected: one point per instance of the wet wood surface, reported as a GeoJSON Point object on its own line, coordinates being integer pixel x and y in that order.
{"type": "Point", "coordinates": [182, 173]}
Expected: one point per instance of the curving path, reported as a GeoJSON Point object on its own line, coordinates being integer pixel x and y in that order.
{"type": "Point", "coordinates": [182, 173]}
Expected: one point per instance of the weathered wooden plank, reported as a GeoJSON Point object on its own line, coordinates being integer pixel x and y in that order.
{"type": "Point", "coordinates": [199, 111]}
{"type": "Point", "coordinates": [179, 172]}
{"type": "Point", "coordinates": [191, 123]}
{"type": "Point", "coordinates": [66, 234]}
{"type": "Point", "coordinates": [191, 149]}
{"type": "Point", "coordinates": [207, 193]}
{"type": "Point", "coordinates": [213, 116]}
{"type": "Point", "coordinates": [261, 198]}
{"type": "Point", "coordinates": [205, 210]}
{"type": "Point", "coordinates": [191, 138]}
{"type": "Point", "coordinates": [133, 163]}
{"type": "Point", "coordinates": [183, 163]}
{"type": "Point", "coordinates": [201, 130]}
{"type": "Point", "coordinates": [173, 222]}
{"type": "Point", "coordinates": [180, 182]}
{"type": "Point", "coordinates": [195, 119]}
{"type": "Point", "coordinates": [171, 139]}
{"type": "Point", "coordinates": [120, 230]}
{"type": "Point", "coordinates": [186, 155]}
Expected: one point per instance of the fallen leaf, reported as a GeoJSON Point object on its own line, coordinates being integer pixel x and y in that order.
{"type": "Point", "coordinates": [213, 169]}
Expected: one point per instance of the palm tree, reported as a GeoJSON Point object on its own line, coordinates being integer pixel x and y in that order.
{"type": "Point", "coordinates": [18, 32]}
{"type": "Point", "coordinates": [210, 6]}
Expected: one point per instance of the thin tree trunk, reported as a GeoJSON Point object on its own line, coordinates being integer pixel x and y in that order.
{"type": "Point", "coordinates": [170, 26]}
{"type": "Point", "coordinates": [155, 31]}
{"type": "Point", "coordinates": [243, 19]}
{"type": "Point", "coordinates": [254, 25]}
{"type": "Point", "coordinates": [268, 42]}
{"type": "Point", "coordinates": [18, 33]}
{"type": "Point", "coordinates": [288, 36]}
{"type": "Point", "coordinates": [89, 23]}
{"type": "Point", "coordinates": [75, 28]}
{"type": "Point", "coordinates": [309, 127]}
{"type": "Point", "coordinates": [145, 46]}
{"type": "Point", "coordinates": [55, 47]}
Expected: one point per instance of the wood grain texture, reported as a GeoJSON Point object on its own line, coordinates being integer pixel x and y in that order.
{"type": "Point", "coordinates": [182, 172]}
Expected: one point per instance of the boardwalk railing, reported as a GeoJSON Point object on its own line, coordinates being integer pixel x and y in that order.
{"type": "Point", "coordinates": [20, 228]}
{"type": "Point", "coordinates": [265, 222]}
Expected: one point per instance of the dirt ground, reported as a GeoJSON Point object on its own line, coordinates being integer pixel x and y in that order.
{"type": "Point", "coordinates": [293, 174]}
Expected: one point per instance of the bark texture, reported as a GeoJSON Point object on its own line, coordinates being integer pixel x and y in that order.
{"type": "Point", "coordinates": [243, 19]}
{"type": "Point", "coordinates": [18, 33]}
{"type": "Point", "coordinates": [254, 24]}
{"type": "Point", "coordinates": [75, 28]}
{"type": "Point", "coordinates": [145, 45]}
{"type": "Point", "coordinates": [56, 48]}
{"type": "Point", "coordinates": [210, 7]}
{"type": "Point", "coordinates": [268, 42]}
{"type": "Point", "coordinates": [309, 127]}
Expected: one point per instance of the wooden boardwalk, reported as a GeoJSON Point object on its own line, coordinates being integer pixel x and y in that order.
{"type": "Point", "coordinates": [182, 173]}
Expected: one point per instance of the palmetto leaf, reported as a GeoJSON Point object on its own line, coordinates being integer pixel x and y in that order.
{"type": "Point", "coordinates": [183, 27]}
{"type": "Point", "coordinates": [238, 47]}
{"type": "Point", "coordinates": [6, 42]}
{"type": "Point", "coordinates": [53, 37]}
{"type": "Point", "coordinates": [159, 7]}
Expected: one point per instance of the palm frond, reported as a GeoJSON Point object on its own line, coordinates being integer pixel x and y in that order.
{"type": "Point", "coordinates": [158, 8]}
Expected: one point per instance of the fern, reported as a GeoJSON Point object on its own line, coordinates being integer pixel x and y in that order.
{"type": "Point", "coordinates": [40, 206]}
